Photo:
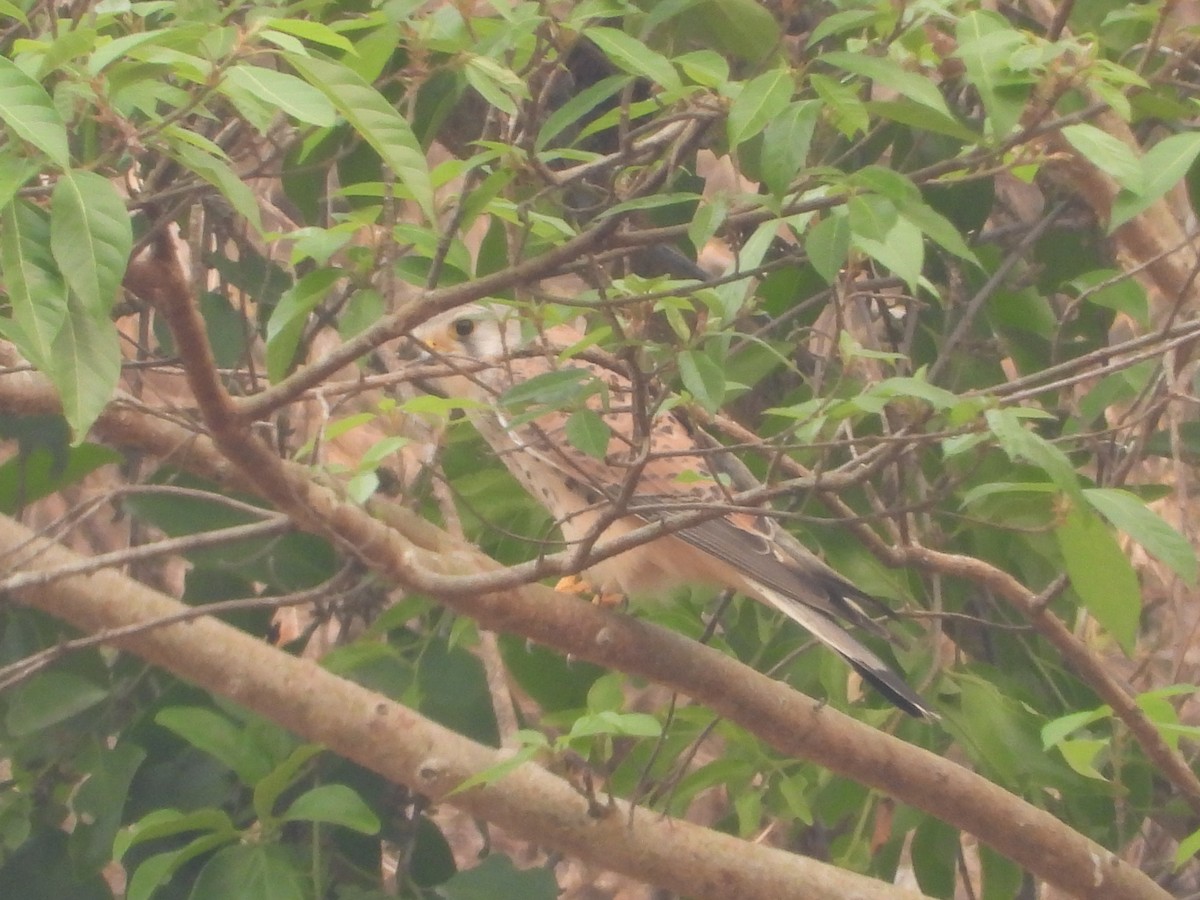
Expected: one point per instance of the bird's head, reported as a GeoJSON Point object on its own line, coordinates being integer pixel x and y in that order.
{"type": "Point", "coordinates": [476, 332]}
{"type": "Point", "coordinates": [465, 339]}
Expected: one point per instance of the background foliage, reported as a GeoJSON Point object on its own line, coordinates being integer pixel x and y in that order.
{"type": "Point", "coordinates": [938, 252]}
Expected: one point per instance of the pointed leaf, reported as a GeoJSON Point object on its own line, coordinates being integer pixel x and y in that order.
{"type": "Point", "coordinates": [286, 325]}
{"type": "Point", "coordinates": [90, 237]}
{"type": "Point", "coordinates": [35, 287]}
{"type": "Point", "coordinates": [336, 804]}
{"type": "Point", "coordinates": [375, 120]}
{"type": "Point", "coordinates": [1163, 166]}
{"type": "Point", "coordinates": [288, 93]}
{"type": "Point", "coordinates": [587, 431]}
{"type": "Point", "coordinates": [703, 379]}
{"type": "Point", "coordinates": [49, 699]}
{"type": "Point", "coordinates": [1023, 445]}
{"type": "Point", "coordinates": [890, 74]}
{"type": "Point", "coordinates": [1107, 153]}
{"type": "Point", "coordinates": [631, 55]}
{"type": "Point", "coordinates": [27, 109]}
{"type": "Point", "coordinates": [761, 100]}
{"type": "Point", "coordinates": [85, 364]}
{"type": "Point", "coordinates": [1101, 575]}
{"type": "Point", "coordinates": [211, 167]}
{"type": "Point", "coordinates": [827, 244]}
{"type": "Point", "coordinates": [1131, 515]}
{"type": "Point", "coordinates": [786, 142]}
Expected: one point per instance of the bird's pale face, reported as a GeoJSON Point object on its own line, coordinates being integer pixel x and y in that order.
{"type": "Point", "coordinates": [466, 339]}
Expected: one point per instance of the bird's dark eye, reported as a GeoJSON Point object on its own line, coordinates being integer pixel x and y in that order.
{"type": "Point", "coordinates": [464, 327]}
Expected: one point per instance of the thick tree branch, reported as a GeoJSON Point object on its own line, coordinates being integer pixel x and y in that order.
{"type": "Point", "coordinates": [409, 749]}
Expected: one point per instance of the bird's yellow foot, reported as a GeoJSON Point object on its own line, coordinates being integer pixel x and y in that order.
{"type": "Point", "coordinates": [576, 584]}
{"type": "Point", "coordinates": [572, 584]}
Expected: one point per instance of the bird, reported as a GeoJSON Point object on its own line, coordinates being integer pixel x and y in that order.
{"type": "Point", "coordinates": [653, 469]}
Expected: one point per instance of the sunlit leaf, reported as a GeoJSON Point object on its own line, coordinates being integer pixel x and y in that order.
{"type": "Point", "coordinates": [90, 237]}
{"type": "Point", "coordinates": [1107, 153]}
{"type": "Point", "coordinates": [703, 378]}
{"type": "Point", "coordinates": [1163, 166]}
{"type": "Point", "coordinates": [631, 55]}
{"type": "Point", "coordinates": [1131, 515]}
{"type": "Point", "coordinates": [84, 364]}
{"type": "Point", "coordinates": [760, 100]}
{"type": "Point", "coordinates": [285, 92]}
{"type": "Point", "coordinates": [375, 119]}
{"type": "Point", "coordinates": [27, 109]}
{"type": "Point", "coordinates": [587, 431]}
{"type": "Point", "coordinates": [1101, 575]}
{"type": "Point", "coordinates": [35, 286]}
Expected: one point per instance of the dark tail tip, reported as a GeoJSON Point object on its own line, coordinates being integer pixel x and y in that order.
{"type": "Point", "coordinates": [896, 691]}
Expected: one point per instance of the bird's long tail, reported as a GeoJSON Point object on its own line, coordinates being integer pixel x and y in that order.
{"type": "Point", "coordinates": [873, 669]}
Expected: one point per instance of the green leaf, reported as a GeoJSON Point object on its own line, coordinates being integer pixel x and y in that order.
{"type": "Point", "coordinates": [496, 878]}
{"type": "Point", "coordinates": [286, 325]}
{"type": "Point", "coordinates": [587, 431]}
{"type": "Point", "coordinates": [218, 736]}
{"type": "Point", "coordinates": [1130, 514]}
{"type": "Point", "coordinates": [100, 803]}
{"type": "Point", "coordinates": [631, 55]}
{"type": "Point", "coordinates": [586, 101]}
{"type": "Point", "coordinates": [35, 287]}
{"type": "Point", "coordinates": [710, 215]}
{"type": "Point", "coordinates": [280, 90]}
{"type": "Point", "coordinates": [317, 32]}
{"type": "Point", "coordinates": [336, 804]}
{"type": "Point", "coordinates": [90, 237]}
{"type": "Point", "coordinates": [986, 43]}
{"type": "Point", "coordinates": [1056, 731]}
{"type": "Point", "coordinates": [375, 120]}
{"type": "Point", "coordinates": [1023, 445]}
{"type": "Point", "coordinates": [899, 246]}
{"type": "Point", "coordinates": [908, 112]}
{"type": "Point", "coordinates": [705, 67]}
{"type": "Point", "coordinates": [43, 469]}
{"type": "Point", "coordinates": [918, 387]}
{"type": "Point", "coordinates": [843, 105]}
{"type": "Point", "coordinates": [786, 142]}
{"type": "Point", "coordinates": [1107, 153]}
{"type": "Point", "coordinates": [209, 164]}
{"type": "Point", "coordinates": [759, 102]}
{"type": "Point", "coordinates": [497, 84]}
{"type": "Point", "coordinates": [157, 870]}
{"type": "Point", "coordinates": [279, 779]}
{"type": "Point", "coordinates": [703, 378]}
{"type": "Point", "coordinates": [827, 244]}
{"type": "Point", "coordinates": [1101, 575]}
{"type": "Point", "coordinates": [839, 22]}
{"type": "Point", "coordinates": [48, 699]}
{"type": "Point", "coordinates": [890, 74]}
{"type": "Point", "coordinates": [1081, 755]}
{"type": "Point", "coordinates": [251, 872]}
{"type": "Point", "coordinates": [15, 173]}
{"type": "Point", "coordinates": [551, 389]}
{"type": "Point", "coordinates": [166, 822]}
{"type": "Point", "coordinates": [610, 722]}
{"type": "Point", "coordinates": [938, 229]}
{"type": "Point", "coordinates": [27, 109]}
{"type": "Point", "coordinates": [1163, 166]}
{"type": "Point", "coordinates": [1187, 850]}
{"type": "Point", "coordinates": [85, 365]}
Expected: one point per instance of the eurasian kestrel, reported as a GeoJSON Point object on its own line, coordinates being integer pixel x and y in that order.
{"type": "Point", "coordinates": [653, 470]}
